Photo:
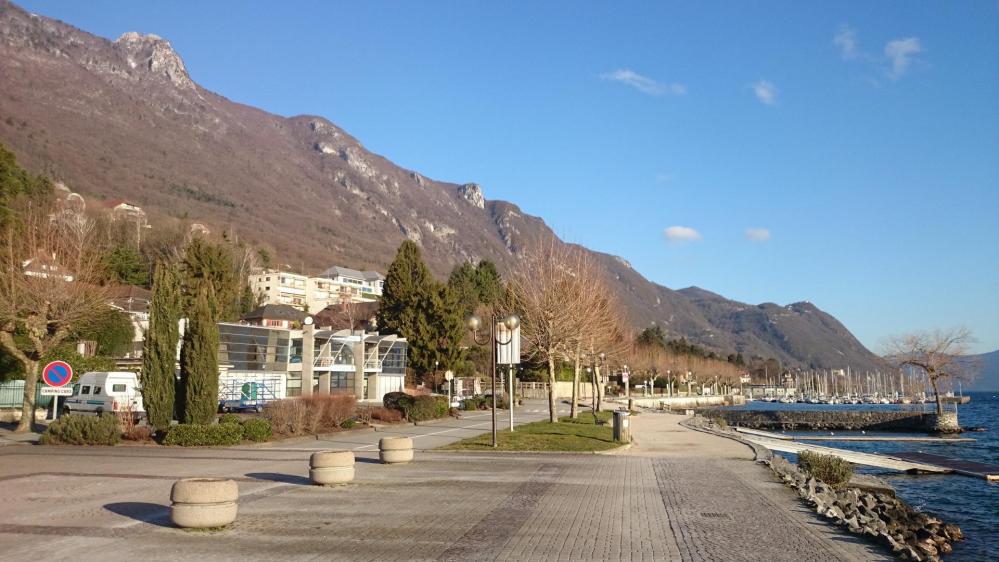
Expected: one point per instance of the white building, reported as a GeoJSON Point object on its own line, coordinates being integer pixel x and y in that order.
{"type": "Point", "coordinates": [333, 286]}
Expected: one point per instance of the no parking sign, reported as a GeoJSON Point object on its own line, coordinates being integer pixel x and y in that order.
{"type": "Point", "coordinates": [57, 373]}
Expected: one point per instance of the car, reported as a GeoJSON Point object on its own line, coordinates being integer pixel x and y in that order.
{"type": "Point", "coordinates": [106, 392]}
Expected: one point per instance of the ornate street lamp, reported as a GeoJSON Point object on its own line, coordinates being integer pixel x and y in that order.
{"type": "Point", "coordinates": [511, 322]}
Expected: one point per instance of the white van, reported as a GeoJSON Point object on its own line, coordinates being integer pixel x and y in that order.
{"type": "Point", "coordinates": [106, 392]}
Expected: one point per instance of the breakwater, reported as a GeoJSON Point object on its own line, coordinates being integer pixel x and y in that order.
{"type": "Point", "coordinates": [811, 420]}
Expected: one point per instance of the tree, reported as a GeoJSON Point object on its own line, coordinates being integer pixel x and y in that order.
{"type": "Point", "coordinates": [405, 296]}
{"type": "Point", "coordinates": [464, 286]}
{"type": "Point", "coordinates": [489, 283]}
{"type": "Point", "coordinates": [213, 264]}
{"type": "Point", "coordinates": [50, 287]}
{"type": "Point", "coordinates": [125, 266]}
{"type": "Point", "coordinates": [16, 183]}
{"type": "Point", "coordinates": [553, 289]}
{"type": "Point", "coordinates": [159, 354]}
{"type": "Point", "coordinates": [199, 369]}
{"type": "Point", "coordinates": [940, 354]}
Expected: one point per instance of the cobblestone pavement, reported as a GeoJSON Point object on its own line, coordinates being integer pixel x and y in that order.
{"type": "Point", "coordinates": [693, 502]}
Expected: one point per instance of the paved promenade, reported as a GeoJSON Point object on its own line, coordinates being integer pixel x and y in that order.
{"type": "Point", "coordinates": [676, 495]}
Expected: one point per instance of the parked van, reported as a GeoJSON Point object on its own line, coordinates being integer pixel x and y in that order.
{"type": "Point", "coordinates": [106, 392]}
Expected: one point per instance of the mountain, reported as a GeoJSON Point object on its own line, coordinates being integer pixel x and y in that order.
{"type": "Point", "coordinates": [123, 119]}
{"type": "Point", "coordinates": [988, 374]}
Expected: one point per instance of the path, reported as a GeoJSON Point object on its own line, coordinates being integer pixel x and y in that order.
{"type": "Point", "coordinates": [670, 498]}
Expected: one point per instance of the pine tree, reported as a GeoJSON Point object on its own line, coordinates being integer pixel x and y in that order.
{"type": "Point", "coordinates": [489, 283]}
{"type": "Point", "coordinates": [160, 348]}
{"type": "Point", "coordinates": [407, 284]}
{"type": "Point", "coordinates": [199, 369]}
{"type": "Point", "coordinates": [207, 262]}
{"type": "Point", "coordinates": [464, 286]}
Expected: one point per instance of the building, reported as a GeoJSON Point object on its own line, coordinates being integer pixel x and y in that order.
{"type": "Point", "coordinates": [133, 301]}
{"type": "Point", "coordinates": [336, 285]}
{"type": "Point", "coordinates": [275, 315]}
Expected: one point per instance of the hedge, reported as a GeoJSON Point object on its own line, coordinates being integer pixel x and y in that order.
{"type": "Point", "coordinates": [426, 408]}
{"type": "Point", "coordinates": [76, 429]}
{"type": "Point", "coordinates": [832, 470]}
{"type": "Point", "coordinates": [257, 429]}
{"type": "Point", "coordinates": [230, 418]}
{"type": "Point", "coordinates": [195, 435]}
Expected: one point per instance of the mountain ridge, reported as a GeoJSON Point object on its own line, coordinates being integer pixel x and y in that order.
{"type": "Point", "coordinates": [124, 118]}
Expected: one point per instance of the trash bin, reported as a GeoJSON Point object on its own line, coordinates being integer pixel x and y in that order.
{"type": "Point", "coordinates": [622, 426]}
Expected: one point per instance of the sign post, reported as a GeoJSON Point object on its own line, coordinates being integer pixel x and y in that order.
{"type": "Point", "coordinates": [448, 376]}
{"type": "Point", "coordinates": [57, 375]}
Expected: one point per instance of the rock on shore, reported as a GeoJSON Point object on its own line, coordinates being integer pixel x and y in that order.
{"type": "Point", "coordinates": [911, 534]}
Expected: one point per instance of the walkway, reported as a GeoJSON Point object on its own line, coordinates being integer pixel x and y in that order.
{"type": "Point", "coordinates": [678, 495]}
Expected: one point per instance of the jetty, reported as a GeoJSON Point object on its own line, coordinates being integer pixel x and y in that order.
{"type": "Point", "coordinates": [893, 438]}
{"type": "Point", "coordinates": [967, 468]}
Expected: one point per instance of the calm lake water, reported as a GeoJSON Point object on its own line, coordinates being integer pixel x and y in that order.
{"type": "Point", "coordinates": [970, 503]}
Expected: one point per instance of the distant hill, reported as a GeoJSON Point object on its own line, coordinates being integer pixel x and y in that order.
{"type": "Point", "coordinates": [988, 376]}
{"type": "Point", "coordinates": [123, 119]}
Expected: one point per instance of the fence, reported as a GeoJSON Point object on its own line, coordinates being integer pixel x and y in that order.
{"type": "Point", "coordinates": [12, 395]}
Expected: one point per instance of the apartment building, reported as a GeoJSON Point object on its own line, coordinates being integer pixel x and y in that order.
{"type": "Point", "coordinates": [333, 286]}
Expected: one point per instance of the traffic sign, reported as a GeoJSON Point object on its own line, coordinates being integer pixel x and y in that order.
{"type": "Point", "coordinates": [56, 391]}
{"type": "Point", "coordinates": [57, 373]}
{"type": "Point", "coordinates": [448, 375]}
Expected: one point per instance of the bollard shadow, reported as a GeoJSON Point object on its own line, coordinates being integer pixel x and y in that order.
{"type": "Point", "coordinates": [282, 478]}
{"type": "Point", "coordinates": [367, 460]}
{"type": "Point", "coordinates": [152, 513]}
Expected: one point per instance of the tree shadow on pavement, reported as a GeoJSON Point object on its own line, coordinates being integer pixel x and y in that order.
{"type": "Point", "coordinates": [282, 478]}
{"type": "Point", "coordinates": [152, 513]}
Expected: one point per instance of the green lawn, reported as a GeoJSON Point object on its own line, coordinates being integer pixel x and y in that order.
{"type": "Point", "coordinates": [568, 435]}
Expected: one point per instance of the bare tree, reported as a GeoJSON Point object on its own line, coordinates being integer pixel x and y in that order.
{"type": "Point", "coordinates": [548, 292]}
{"type": "Point", "coordinates": [50, 269]}
{"type": "Point", "coordinates": [940, 354]}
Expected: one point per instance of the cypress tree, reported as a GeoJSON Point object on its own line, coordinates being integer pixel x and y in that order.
{"type": "Point", "coordinates": [159, 350]}
{"type": "Point", "coordinates": [199, 369]}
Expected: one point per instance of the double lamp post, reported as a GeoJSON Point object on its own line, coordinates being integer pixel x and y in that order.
{"type": "Point", "coordinates": [511, 323]}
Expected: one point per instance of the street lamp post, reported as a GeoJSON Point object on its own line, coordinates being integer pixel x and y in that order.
{"type": "Point", "coordinates": [512, 322]}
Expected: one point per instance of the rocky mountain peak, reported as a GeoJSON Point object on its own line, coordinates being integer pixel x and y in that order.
{"type": "Point", "coordinates": [472, 193]}
{"type": "Point", "coordinates": [156, 55]}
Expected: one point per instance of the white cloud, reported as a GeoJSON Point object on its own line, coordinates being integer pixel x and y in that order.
{"type": "Point", "coordinates": [681, 234]}
{"type": "Point", "coordinates": [766, 92]}
{"type": "Point", "coordinates": [846, 40]}
{"type": "Point", "coordinates": [758, 234]}
{"type": "Point", "coordinates": [900, 52]}
{"type": "Point", "coordinates": [644, 84]}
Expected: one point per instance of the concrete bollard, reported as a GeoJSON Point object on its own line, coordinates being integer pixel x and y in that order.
{"type": "Point", "coordinates": [199, 503]}
{"type": "Point", "coordinates": [327, 468]}
{"type": "Point", "coordinates": [394, 450]}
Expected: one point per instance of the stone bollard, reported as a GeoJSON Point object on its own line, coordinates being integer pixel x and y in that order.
{"type": "Point", "coordinates": [393, 450]}
{"type": "Point", "coordinates": [199, 503]}
{"type": "Point", "coordinates": [327, 468]}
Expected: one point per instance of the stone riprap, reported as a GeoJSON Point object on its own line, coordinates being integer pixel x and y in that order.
{"type": "Point", "coordinates": [910, 533]}
{"type": "Point", "coordinates": [842, 420]}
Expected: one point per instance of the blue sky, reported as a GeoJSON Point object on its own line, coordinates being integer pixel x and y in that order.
{"type": "Point", "coordinates": [859, 141]}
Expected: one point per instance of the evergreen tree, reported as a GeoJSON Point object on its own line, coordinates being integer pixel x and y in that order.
{"type": "Point", "coordinates": [125, 265]}
{"type": "Point", "coordinates": [404, 296]}
{"type": "Point", "coordinates": [209, 263]}
{"type": "Point", "coordinates": [464, 287]}
{"type": "Point", "coordinates": [489, 283]}
{"type": "Point", "coordinates": [160, 348]}
{"type": "Point", "coordinates": [199, 369]}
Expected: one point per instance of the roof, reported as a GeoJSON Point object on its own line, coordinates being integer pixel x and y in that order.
{"type": "Point", "coordinates": [336, 271]}
{"type": "Point", "coordinates": [275, 312]}
{"type": "Point", "coordinates": [130, 298]}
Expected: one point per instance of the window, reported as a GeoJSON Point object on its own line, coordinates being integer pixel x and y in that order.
{"type": "Point", "coordinates": [86, 390]}
{"type": "Point", "coordinates": [118, 388]}
{"type": "Point", "coordinates": [97, 390]}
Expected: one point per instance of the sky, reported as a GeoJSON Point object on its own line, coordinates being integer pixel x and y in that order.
{"type": "Point", "coordinates": [845, 153]}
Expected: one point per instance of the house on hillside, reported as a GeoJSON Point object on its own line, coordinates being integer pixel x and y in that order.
{"type": "Point", "coordinates": [123, 210]}
{"type": "Point", "coordinates": [334, 286]}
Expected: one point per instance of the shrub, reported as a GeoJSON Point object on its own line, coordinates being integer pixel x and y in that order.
{"type": "Point", "coordinates": [393, 400]}
{"type": "Point", "coordinates": [138, 433]}
{"type": "Point", "coordinates": [75, 429]}
{"type": "Point", "coordinates": [426, 408]}
{"type": "Point", "coordinates": [348, 423]}
{"type": "Point", "coordinates": [197, 435]}
{"type": "Point", "coordinates": [257, 429]}
{"type": "Point", "coordinates": [832, 470]}
{"type": "Point", "coordinates": [230, 418]}
{"type": "Point", "coordinates": [387, 415]}
{"type": "Point", "coordinates": [311, 414]}
{"type": "Point", "coordinates": [474, 403]}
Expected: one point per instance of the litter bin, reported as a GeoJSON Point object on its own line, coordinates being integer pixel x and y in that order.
{"type": "Point", "coordinates": [622, 426]}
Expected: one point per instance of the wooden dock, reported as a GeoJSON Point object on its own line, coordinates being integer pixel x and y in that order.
{"type": "Point", "coordinates": [968, 468]}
